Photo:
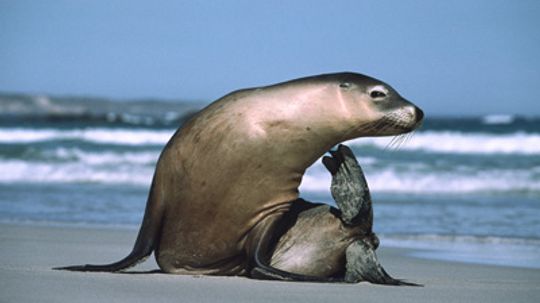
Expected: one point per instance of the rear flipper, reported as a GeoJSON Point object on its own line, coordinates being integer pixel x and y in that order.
{"type": "Point", "coordinates": [266, 234]}
{"type": "Point", "coordinates": [362, 265]}
{"type": "Point", "coordinates": [265, 272]}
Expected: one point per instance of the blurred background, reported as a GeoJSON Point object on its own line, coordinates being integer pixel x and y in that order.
{"type": "Point", "coordinates": [90, 92]}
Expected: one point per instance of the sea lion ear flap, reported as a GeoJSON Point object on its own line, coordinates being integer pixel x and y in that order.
{"type": "Point", "coordinates": [349, 188]}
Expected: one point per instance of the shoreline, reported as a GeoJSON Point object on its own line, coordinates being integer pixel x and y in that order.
{"type": "Point", "coordinates": [509, 252]}
{"type": "Point", "coordinates": [29, 252]}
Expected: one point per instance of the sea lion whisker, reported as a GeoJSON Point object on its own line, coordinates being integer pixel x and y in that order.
{"type": "Point", "coordinates": [393, 143]}
{"type": "Point", "coordinates": [410, 136]}
{"type": "Point", "coordinates": [366, 127]}
{"type": "Point", "coordinates": [371, 127]}
{"type": "Point", "coordinates": [381, 126]}
{"type": "Point", "coordinates": [406, 138]}
{"type": "Point", "coordinates": [402, 141]}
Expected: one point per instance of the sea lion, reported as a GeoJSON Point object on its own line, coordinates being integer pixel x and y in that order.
{"type": "Point", "coordinates": [227, 177]}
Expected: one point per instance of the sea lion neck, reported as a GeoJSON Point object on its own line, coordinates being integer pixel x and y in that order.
{"type": "Point", "coordinates": [301, 129]}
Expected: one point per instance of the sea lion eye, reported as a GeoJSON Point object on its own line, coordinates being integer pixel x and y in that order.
{"type": "Point", "coordinates": [377, 94]}
{"type": "Point", "coordinates": [345, 84]}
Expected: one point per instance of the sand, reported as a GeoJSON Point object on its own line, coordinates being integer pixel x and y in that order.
{"type": "Point", "coordinates": [29, 252]}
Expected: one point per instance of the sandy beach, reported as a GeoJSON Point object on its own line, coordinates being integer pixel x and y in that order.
{"type": "Point", "coordinates": [29, 252]}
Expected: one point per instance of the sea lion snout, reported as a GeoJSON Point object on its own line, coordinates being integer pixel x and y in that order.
{"type": "Point", "coordinates": [412, 116]}
{"type": "Point", "coordinates": [399, 118]}
{"type": "Point", "coordinates": [419, 114]}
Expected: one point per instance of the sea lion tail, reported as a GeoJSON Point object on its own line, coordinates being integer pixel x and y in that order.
{"type": "Point", "coordinates": [147, 239]}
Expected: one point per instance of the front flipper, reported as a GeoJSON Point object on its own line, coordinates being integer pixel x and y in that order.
{"type": "Point", "coordinates": [349, 188]}
{"type": "Point", "coordinates": [363, 265]}
{"type": "Point", "coordinates": [351, 193]}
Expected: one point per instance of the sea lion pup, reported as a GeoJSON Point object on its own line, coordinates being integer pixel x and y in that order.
{"type": "Point", "coordinates": [226, 177]}
{"type": "Point", "coordinates": [324, 241]}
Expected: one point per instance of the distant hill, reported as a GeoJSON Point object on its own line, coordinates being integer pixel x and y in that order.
{"type": "Point", "coordinates": [26, 107]}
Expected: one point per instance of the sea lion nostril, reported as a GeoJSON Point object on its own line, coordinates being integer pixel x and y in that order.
{"type": "Point", "coordinates": [419, 114]}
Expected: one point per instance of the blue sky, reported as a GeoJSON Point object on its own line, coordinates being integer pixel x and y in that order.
{"type": "Point", "coordinates": [449, 57]}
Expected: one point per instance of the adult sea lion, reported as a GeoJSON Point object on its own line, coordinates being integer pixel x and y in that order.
{"type": "Point", "coordinates": [227, 177]}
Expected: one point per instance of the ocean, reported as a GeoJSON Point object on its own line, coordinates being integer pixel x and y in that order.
{"type": "Point", "coordinates": [465, 189]}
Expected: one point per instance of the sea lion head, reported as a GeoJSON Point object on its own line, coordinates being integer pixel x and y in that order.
{"type": "Point", "coordinates": [307, 116]}
{"type": "Point", "coordinates": [375, 108]}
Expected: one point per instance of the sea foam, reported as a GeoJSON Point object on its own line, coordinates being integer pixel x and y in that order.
{"type": "Point", "coordinates": [463, 143]}
{"type": "Point", "coordinates": [73, 165]}
{"type": "Point", "coordinates": [428, 141]}
{"type": "Point", "coordinates": [423, 179]}
{"type": "Point", "coordinates": [119, 136]}
{"type": "Point", "coordinates": [78, 172]}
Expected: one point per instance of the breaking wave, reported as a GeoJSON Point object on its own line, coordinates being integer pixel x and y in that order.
{"type": "Point", "coordinates": [423, 179]}
{"type": "Point", "coordinates": [464, 143]}
{"type": "Point", "coordinates": [428, 141]}
{"type": "Point", "coordinates": [75, 165]}
{"type": "Point", "coordinates": [120, 136]}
